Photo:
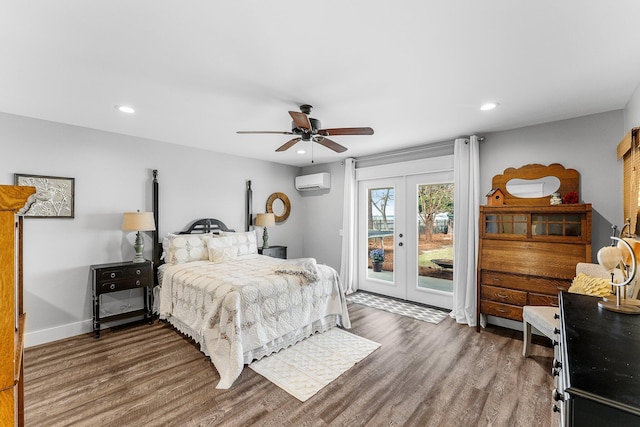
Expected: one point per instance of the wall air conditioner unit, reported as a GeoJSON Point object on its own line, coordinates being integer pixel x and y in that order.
{"type": "Point", "coordinates": [316, 181]}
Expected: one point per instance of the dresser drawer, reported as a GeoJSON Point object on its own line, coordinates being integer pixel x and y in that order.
{"type": "Point", "coordinates": [508, 311]}
{"type": "Point", "coordinates": [503, 295]}
{"type": "Point", "coordinates": [542, 299]}
{"type": "Point", "coordinates": [540, 285]}
{"type": "Point", "coordinates": [137, 271]}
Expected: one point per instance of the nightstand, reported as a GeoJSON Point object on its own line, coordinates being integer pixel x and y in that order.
{"type": "Point", "coordinates": [121, 276]}
{"type": "Point", "coordinates": [274, 251]}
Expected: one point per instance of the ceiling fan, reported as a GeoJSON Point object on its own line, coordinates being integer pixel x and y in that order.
{"type": "Point", "coordinates": [308, 129]}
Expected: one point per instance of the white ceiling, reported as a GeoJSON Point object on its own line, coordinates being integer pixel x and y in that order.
{"type": "Point", "coordinates": [414, 70]}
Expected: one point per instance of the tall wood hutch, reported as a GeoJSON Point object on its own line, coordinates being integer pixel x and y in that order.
{"type": "Point", "coordinates": [12, 318]}
{"type": "Point", "coordinates": [528, 249]}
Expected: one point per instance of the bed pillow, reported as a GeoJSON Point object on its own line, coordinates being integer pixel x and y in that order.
{"type": "Point", "coordinates": [181, 248]}
{"type": "Point", "coordinates": [221, 249]}
{"type": "Point", "coordinates": [245, 242]}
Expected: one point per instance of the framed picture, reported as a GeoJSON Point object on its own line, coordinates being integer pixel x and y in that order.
{"type": "Point", "coordinates": [54, 195]}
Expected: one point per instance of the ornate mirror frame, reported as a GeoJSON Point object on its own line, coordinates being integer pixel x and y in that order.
{"type": "Point", "coordinates": [285, 201]}
{"type": "Point", "coordinates": [569, 181]}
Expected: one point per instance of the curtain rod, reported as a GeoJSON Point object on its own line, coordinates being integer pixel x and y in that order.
{"type": "Point", "coordinates": [411, 150]}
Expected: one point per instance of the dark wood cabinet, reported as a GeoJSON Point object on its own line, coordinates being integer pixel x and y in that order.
{"type": "Point", "coordinates": [598, 368]}
{"type": "Point", "coordinates": [274, 251]}
{"type": "Point", "coordinates": [527, 254]}
{"type": "Point", "coordinates": [121, 276]}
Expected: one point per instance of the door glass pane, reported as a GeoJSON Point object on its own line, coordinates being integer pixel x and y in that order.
{"type": "Point", "coordinates": [435, 221]}
{"type": "Point", "coordinates": [380, 228]}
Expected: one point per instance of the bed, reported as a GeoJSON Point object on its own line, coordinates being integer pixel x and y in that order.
{"type": "Point", "coordinates": [240, 306]}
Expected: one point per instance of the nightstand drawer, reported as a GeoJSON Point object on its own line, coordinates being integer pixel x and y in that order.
{"type": "Point", "coordinates": [111, 274]}
{"type": "Point", "coordinates": [274, 251]}
{"type": "Point", "coordinates": [121, 285]}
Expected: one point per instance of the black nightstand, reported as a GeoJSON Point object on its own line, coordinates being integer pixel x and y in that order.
{"type": "Point", "coordinates": [274, 251]}
{"type": "Point", "coordinates": [120, 276]}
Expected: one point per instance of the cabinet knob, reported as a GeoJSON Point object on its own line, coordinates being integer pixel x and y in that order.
{"type": "Point", "coordinates": [138, 272]}
{"type": "Point", "coordinates": [113, 275]}
{"type": "Point", "coordinates": [112, 286]}
{"type": "Point", "coordinates": [557, 396]}
{"type": "Point", "coordinates": [556, 331]}
{"type": "Point", "coordinates": [557, 363]}
{"type": "Point", "coordinates": [556, 316]}
{"type": "Point", "coordinates": [137, 282]}
{"type": "Point", "coordinates": [555, 372]}
{"type": "Point", "coordinates": [555, 408]}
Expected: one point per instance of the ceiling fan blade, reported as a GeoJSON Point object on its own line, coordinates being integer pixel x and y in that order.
{"type": "Point", "coordinates": [346, 131]}
{"type": "Point", "coordinates": [264, 131]}
{"type": "Point", "coordinates": [300, 119]}
{"type": "Point", "coordinates": [288, 144]}
{"type": "Point", "coordinates": [330, 144]}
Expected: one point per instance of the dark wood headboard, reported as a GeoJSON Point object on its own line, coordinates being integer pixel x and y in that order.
{"type": "Point", "coordinates": [206, 225]}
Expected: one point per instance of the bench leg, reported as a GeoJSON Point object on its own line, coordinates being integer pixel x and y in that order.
{"type": "Point", "coordinates": [526, 348]}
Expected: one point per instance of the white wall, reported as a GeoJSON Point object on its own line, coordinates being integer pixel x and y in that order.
{"type": "Point", "coordinates": [112, 175]}
{"type": "Point", "coordinates": [632, 111]}
{"type": "Point", "coordinates": [587, 144]}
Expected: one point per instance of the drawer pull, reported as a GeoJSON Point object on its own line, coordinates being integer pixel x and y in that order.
{"type": "Point", "coordinates": [113, 275]}
{"type": "Point", "coordinates": [112, 286]}
{"type": "Point", "coordinates": [138, 272]}
{"type": "Point", "coordinates": [496, 279]}
{"type": "Point", "coordinates": [137, 282]}
{"type": "Point", "coordinates": [555, 408]}
{"type": "Point", "coordinates": [502, 296]}
{"type": "Point", "coordinates": [502, 310]}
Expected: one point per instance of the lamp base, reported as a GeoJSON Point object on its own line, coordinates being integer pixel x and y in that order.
{"type": "Point", "coordinates": [139, 247]}
{"type": "Point", "coordinates": [623, 307]}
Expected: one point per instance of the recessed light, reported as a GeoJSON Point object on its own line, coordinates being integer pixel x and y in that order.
{"type": "Point", "coordinates": [125, 109]}
{"type": "Point", "coordinates": [489, 106]}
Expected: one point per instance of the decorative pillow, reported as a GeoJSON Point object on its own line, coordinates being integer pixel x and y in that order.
{"type": "Point", "coordinates": [221, 249]}
{"type": "Point", "coordinates": [246, 242]}
{"type": "Point", "coordinates": [181, 248]}
{"type": "Point", "coordinates": [588, 285]}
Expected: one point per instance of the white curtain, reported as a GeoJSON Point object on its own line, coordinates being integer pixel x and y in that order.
{"type": "Point", "coordinates": [466, 177]}
{"type": "Point", "coordinates": [347, 265]}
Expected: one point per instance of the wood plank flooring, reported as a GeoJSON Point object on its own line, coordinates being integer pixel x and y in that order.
{"type": "Point", "coordinates": [422, 375]}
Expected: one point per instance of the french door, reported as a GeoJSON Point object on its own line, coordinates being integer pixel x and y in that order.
{"type": "Point", "coordinates": [408, 220]}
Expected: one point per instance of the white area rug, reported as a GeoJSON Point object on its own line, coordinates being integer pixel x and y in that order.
{"type": "Point", "coordinates": [305, 368]}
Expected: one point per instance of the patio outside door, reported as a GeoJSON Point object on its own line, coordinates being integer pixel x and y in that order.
{"type": "Point", "coordinates": [409, 219]}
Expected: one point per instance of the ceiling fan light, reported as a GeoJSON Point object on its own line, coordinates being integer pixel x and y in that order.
{"type": "Point", "coordinates": [125, 109]}
{"type": "Point", "coordinates": [300, 151]}
{"type": "Point", "coordinates": [489, 106]}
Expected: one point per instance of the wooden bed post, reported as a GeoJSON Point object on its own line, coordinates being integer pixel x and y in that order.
{"type": "Point", "coordinates": [249, 221]}
{"type": "Point", "coordinates": [157, 247]}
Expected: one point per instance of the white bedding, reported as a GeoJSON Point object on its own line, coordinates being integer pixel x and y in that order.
{"type": "Point", "coordinates": [246, 308]}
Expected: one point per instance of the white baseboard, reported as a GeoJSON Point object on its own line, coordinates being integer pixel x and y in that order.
{"type": "Point", "coordinates": [44, 336]}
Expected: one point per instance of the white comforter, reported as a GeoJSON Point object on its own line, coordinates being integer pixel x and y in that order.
{"type": "Point", "coordinates": [249, 307]}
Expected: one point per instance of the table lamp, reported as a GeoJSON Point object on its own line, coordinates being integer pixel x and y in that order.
{"type": "Point", "coordinates": [265, 220]}
{"type": "Point", "coordinates": [138, 221]}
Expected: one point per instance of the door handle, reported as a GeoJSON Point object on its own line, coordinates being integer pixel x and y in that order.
{"type": "Point", "coordinates": [400, 235]}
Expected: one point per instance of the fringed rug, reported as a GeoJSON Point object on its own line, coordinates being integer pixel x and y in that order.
{"type": "Point", "coordinates": [409, 309]}
{"type": "Point", "coordinates": [305, 368]}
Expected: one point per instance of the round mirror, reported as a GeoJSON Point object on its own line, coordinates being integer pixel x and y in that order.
{"type": "Point", "coordinates": [279, 205]}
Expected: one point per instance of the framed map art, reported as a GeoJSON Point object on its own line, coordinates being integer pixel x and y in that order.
{"type": "Point", "coordinates": [54, 195]}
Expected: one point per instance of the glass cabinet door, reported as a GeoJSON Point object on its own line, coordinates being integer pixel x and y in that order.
{"type": "Point", "coordinates": [506, 224]}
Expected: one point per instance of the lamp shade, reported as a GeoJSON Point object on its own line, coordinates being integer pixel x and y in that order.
{"type": "Point", "coordinates": [265, 220]}
{"type": "Point", "coordinates": [138, 221]}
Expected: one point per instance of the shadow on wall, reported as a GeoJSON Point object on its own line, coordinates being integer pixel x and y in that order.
{"type": "Point", "coordinates": [600, 233]}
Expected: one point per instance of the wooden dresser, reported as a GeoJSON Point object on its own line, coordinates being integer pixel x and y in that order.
{"type": "Point", "coordinates": [527, 254]}
{"type": "Point", "coordinates": [12, 317]}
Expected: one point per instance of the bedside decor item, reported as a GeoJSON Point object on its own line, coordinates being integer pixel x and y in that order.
{"type": "Point", "coordinates": [610, 257]}
{"type": "Point", "coordinates": [281, 213]}
{"type": "Point", "coordinates": [265, 220]}
{"type": "Point", "coordinates": [377, 258]}
{"type": "Point", "coordinates": [555, 199]}
{"type": "Point", "coordinates": [138, 221]}
{"type": "Point", "coordinates": [54, 195]}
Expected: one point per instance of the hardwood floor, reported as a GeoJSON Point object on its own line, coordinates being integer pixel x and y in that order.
{"type": "Point", "coordinates": [422, 375]}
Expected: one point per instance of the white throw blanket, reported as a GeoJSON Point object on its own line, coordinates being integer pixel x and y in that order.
{"type": "Point", "coordinates": [305, 267]}
{"type": "Point", "coordinates": [241, 310]}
